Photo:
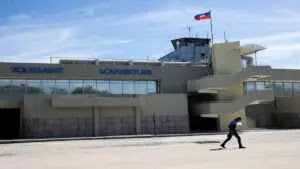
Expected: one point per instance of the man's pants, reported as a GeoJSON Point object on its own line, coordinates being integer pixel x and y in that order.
{"type": "Point", "coordinates": [229, 136]}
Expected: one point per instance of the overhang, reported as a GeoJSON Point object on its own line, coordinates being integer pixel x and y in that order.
{"type": "Point", "coordinates": [251, 48]}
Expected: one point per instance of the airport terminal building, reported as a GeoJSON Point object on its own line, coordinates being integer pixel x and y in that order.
{"type": "Point", "coordinates": [194, 88]}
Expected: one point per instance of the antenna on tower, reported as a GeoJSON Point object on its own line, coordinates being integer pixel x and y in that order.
{"type": "Point", "coordinates": [225, 36]}
{"type": "Point", "coordinates": [189, 28]}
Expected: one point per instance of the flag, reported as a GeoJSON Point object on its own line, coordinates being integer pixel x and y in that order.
{"type": "Point", "coordinates": [203, 16]}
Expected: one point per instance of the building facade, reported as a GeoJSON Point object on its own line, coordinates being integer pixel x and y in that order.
{"type": "Point", "coordinates": [81, 98]}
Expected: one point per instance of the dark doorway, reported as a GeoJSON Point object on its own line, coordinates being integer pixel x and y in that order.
{"type": "Point", "coordinates": [9, 123]}
{"type": "Point", "coordinates": [198, 124]}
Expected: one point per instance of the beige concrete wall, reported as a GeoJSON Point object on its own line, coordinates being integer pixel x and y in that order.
{"type": "Point", "coordinates": [285, 75]}
{"type": "Point", "coordinates": [40, 106]}
{"type": "Point", "coordinates": [231, 94]}
{"type": "Point", "coordinates": [166, 104]}
{"type": "Point", "coordinates": [227, 61]}
{"type": "Point", "coordinates": [226, 58]}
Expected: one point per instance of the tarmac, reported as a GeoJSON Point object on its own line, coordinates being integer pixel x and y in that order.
{"type": "Point", "coordinates": [274, 149]}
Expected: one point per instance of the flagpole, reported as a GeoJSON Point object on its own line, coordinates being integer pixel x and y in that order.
{"type": "Point", "coordinates": [211, 28]}
{"type": "Point", "coordinates": [212, 40]}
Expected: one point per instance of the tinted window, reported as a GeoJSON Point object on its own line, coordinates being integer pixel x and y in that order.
{"type": "Point", "coordinates": [34, 86]}
{"type": "Point", "coordinates": [18, 86]}
{"type": "Point", "coordinates": [288, 89]}
{"type": "Point", "coordinates": [103, 86]}
{"type": "Point", "coordinates": [152, 87]}
{"type": "Point", "coordinates": [260, 86]}
{"type": "Point", "coordinates": [48, 86]}
{"type": "Point", "coordinates": [76, 87]}
{"type": "Point", "coordinates": [116, 87]}
{"type": "Point", "coordinates": [4, 85]}
{"type": "Point", "coordinates": [249, 86]}
{"type": "Point", "coordinates": [278, 89]}
{"type": "Point", "coordinates": [62, 87]}
{"type": "Point", "coordinates": [128, 87]}
{"type": "Point", "coordinates": [141, 87]}
{"type": "Point", "coordinates": [90, 87]}
{"type": "Point", "coordinates": [296, 88]}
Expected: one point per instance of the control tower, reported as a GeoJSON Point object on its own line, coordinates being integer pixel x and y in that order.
{"type": "Point", "coordinates": [195, 50]}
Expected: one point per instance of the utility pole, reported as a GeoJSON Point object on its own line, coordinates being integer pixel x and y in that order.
{"type": "Point", "coordinates": [189, 28]}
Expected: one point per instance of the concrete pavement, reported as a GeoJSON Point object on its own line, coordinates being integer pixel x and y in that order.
{"type": "Point", "coordinates": [268, 149]}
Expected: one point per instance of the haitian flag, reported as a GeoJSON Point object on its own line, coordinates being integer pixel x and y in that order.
{"type": "Point", "coordinates": [203, 16]}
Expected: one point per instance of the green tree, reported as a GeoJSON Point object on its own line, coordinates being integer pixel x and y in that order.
{"type": "Point", "coordinates": [85, 90]}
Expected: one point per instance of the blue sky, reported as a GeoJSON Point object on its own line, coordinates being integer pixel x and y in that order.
{"type": "Point", "coordinates": [34, 30]}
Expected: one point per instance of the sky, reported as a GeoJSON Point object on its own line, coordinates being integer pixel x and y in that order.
{"type": "Point", "coordinates": [35, 30]}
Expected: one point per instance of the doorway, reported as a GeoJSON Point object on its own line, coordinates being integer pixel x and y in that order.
{"type": "Point", "coordinates": [9, 123]}
{"type": "Point", "coordinates": [199, 124]}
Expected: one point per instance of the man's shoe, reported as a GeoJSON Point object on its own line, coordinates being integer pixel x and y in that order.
{"type": "Point", "coordinates": [242, 147]}
{"type": "Point", "coordinates": [222, 146]}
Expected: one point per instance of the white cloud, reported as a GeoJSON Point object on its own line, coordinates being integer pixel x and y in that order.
{"type": "Point", "coordinates": [33, 43]}
{"type": "Point", "coordinates": [272, 38]}
{"type": "Point", "coordinates": [20, 17]}
{"type": "Point", "coordinates": [283, 49]}
{"type": "Point", "coordinates": [124, 41]}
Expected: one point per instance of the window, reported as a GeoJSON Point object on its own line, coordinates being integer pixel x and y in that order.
{"type": "Point", "coordinates": [278, 89]}
{"type": "Point", "coordinates": [90, 87]}
{"type": "Point", "coordinates": [76, 87]}
{"type": "Point", "coordinates": [260, 86]}
{"type": "Point", "coordinates": [249, 86]}
{"type": "Point", "coordinates": [103, 87]}
{"type": "Point", "coordinates": [18, 86]}
{"type": "Point", "coordinates": [141, 87]}
{"type": "Point", "coordinates": [128, 87]}
{"type": "Point", "coordinates": [296, 88]}
{"type": "Point", "coordinates": [152, 89]}
{"type": "Point", "coordinates": [116, 87]}
{"type": "Point", "coordinates": [48, 86]}
{"type": "Point", "coordinates": [62, 87]}
{"type": "Point", "coordinates": [288, 89]}
{"type": "Point", "coordinates": [34, 86]}
{"type": "Point", "coordinates": [268, 85]}
{"type": "Point", "coordinates": [4, 85]}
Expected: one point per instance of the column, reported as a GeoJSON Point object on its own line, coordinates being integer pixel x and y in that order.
{"type": "Point", "coordinates": [96, 121]}
{"type": "Point", "coordinates": [138, 127]}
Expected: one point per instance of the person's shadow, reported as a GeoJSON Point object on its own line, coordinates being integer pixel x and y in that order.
{"type": "Point", "coordinates": [217, 149]}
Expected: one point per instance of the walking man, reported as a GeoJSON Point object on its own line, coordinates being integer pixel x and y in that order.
{"type": "Point", "coordinates": [232, 131]}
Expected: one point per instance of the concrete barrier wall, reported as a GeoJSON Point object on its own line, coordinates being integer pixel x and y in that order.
{"type": "Point", "coordinates": [260, 115]}
{"type": "Point", "coordinates": [165, 124]}
{"type": "Point", "coordinates": [287, 112]}
{"type": "Point", "coordinates": [155, 114]}
{"type": "Point", "coordinates": [117, 121]}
